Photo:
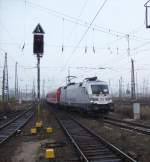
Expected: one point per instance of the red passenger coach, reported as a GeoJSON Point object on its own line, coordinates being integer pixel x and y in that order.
{"type": "Point", "coordinates": [51, 98]}
{"type": "Point", "coordinates": [58, 93]}
{"type": "Point", "coordinates": [54, 97]}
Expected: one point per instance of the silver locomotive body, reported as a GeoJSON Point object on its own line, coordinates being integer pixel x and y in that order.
{"type": "Point", "coordinates": [91, 95]}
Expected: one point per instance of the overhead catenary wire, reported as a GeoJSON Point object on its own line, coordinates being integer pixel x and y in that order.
{"type": "Point", "coordinates": [78, 21]}
{"type": "Point", "coordinates": [14, 61]}
{"type": "Point", "coordinates": [140, 46]}
{"type": "Point", "coordinates": [2, 50]}
{"type": "Point", "coordinates": [108, 30]}
{"type": "Point", "coordinates": [25, 19]}
{"type": "Point", "coordinates": [33, 67]}
{"type": "Point", "coordinates": [96, 48]}
{"type": "Point", "coordinates": [62, 46]}
{"type": "Point", "coordinates": [84, 34]}
{"type": "Point", "coordinates": [59, 46]}
{"type": "Point", "coordinates": [111, 47]}
{"type": "Point", "coordinates": [81, 12]}
{"type": "Point", "coordinates": [9, 34]}
{"type": "Point", "coordinates": [120, 60]}
{"type": "Point", "coordinates": [93, 37]}
{"type": "Point", "coordinates": [79, 47]}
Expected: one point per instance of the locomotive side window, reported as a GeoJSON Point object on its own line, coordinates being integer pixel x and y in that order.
{"type": "Point", "coordinates": [97, 89]}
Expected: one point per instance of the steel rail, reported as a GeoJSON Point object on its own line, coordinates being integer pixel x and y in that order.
{"type": "Point", "coordinates": [82, 156]}
{"type": "Point", "coordinates": [117, 150]}
{"type": "Point", "coordinates": [90, 146]}
{"type": "Point", "coordinates": [128, 122]}
{"type": "Point", "coordinates": [5, 117]}
{"type": "Point", "coordinates": [10, 128]}
{"type": "Point", "coordinates": [13, 119]}
{"type": "Point", "coordinates": [144, 129]}
{"type": "Point", "coordinates": [12, 113]}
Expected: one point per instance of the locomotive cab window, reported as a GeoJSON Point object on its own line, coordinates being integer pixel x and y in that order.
{"type": "Point", "coordinates": [97, 89]}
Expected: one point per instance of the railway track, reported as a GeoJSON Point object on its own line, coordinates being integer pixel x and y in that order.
{"type": "Point", "coordinates": [5, 117]}
{"type": "Point", "coordinates": [89, 146]}
{"type": "Point", "coordinates": [11, 127]}
{"type": "Point", "coordinates": [141, 128]}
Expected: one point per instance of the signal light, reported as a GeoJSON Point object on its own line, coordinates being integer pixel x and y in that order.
{"type": "Point", "coordinates": [38, 44]}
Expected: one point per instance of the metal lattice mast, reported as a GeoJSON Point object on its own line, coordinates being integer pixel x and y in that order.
{"type": "Point", "coordinates": [43, 92]}
{"type": "Point", "coordinates": [120, 88]}
{"type": "Point", "coordinates": [132, 80]}
{"type": "Point", "coordinates": [16, 82]}
{"type": "Point", "coordinates": [128, 39]}
{"type": "Point", "coordinates": [26, 89]}
{"type": "Point", "coordinates": [33, 92]}
{"type": "Point", "coordinates": [5, 87]}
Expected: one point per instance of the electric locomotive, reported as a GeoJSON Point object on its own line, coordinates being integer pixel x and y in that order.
{"type": "Point", "coordinates": [90, 96]}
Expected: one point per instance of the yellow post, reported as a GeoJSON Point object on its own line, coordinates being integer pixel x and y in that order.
{"type": "Point", "coordinates": [33, 130]}
{"type": "Point", "coordinates": [38, 124]}
{"type": "Point", "coordinates": [49, 154]}
{"type": "Point", "coordinates": [49, 130]}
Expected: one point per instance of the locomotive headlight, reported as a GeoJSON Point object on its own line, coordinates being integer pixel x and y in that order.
{"type": "Point", "coordinates": [108, 99]}
{"type": "Point", "coordinates": [93, 99]}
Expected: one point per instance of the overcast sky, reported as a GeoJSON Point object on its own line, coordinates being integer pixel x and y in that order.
{"type": "Point", "coordinates": [65, 23]}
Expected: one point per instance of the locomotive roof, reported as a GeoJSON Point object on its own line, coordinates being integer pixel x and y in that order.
{"type": "Point", "coordinates": [91, 80]}
{"type": "Point", "coordinates": [95, 82]}
{"type": "Point", "coordinates": [86, 82]}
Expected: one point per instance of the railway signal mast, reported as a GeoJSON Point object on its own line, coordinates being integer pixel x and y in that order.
{"type": "Point", "coordinates": [38, 50]}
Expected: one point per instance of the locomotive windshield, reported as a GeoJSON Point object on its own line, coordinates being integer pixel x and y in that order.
{"type": "Point", "coordinates": [97, 89]}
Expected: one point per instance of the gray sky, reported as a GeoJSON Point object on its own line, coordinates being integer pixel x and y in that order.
{"type": "Point", "coordinates": [64, 23]}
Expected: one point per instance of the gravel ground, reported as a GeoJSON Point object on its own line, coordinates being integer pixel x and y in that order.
{"type": "Point", "coordinates": [122, 117]}
{"type": "Point", "coordinates": [66, 151]}
{"type": "Point", "coordinates": [14, 145]}
{"type": "Point", "coordinates": [24, 147]}
{"type": "Point", "coordinates": [134, 144]}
